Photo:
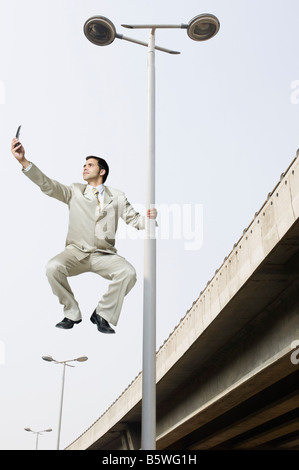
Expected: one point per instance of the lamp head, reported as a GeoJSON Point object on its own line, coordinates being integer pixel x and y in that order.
{"type": "Point", "coordinates": [203, 27]}
{"type": "Point", "coordinates": [82, 359]}
{"type": "Point", "coordinates": [48, 358]}
{"type": "Point", "coordinates": [99, 30]}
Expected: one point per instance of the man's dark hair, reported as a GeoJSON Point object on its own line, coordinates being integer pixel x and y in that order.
{"type": "Point", "coordinates": [103, 165]}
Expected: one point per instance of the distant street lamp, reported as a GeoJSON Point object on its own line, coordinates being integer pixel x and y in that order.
{"type": "Point", "coordinates": [65, 363]}
{"type": "Point", "coordinates": [101, 31]}
{"type": "Point", "coordinates": [37, 434]}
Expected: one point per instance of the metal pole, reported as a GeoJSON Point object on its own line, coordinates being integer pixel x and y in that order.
{"type": "Point", "coordinates": [135, 41]}
{"type": "Point", "coordinates": [61, 404]}
{"type": "Point", "coordinates": [148, 435]}
{"type": "Point", "coordinates": [36, 442]}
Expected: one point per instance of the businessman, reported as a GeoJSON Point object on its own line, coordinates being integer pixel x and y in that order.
{"type": "Point", "coordinates": [94, 211]}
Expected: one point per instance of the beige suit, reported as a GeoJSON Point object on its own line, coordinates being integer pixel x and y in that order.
{"type": "Point", "coordinates": [90, 244]}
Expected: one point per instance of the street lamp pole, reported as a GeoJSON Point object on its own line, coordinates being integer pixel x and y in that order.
{"type": "Point", "coordinates": [64, 363]}
{"type": "Point", "coordinates": [148, 433]}
{"type": "Point", "coordinates": [101, 31]}
{"type": "Point", "coordinates": [61, 406]}
{"type": "Point", "coordinates": [36, 446]}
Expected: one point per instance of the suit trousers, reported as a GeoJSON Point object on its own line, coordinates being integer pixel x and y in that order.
{"type": "Point", "coordinates": [110, 266]}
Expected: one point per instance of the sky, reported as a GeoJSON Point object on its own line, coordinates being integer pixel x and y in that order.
{"type": "Point", "coordinates": [227, 121]}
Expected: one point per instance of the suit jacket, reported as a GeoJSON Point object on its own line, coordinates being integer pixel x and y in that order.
{"type": "Point", "coordinates": [90, 229]}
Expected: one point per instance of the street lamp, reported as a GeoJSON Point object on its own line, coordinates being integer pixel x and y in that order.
{"type": "Point", "coordinates": [65, 363]}
{"type": "Point", "coordinates": [37, 434]}
{"type": "Point", "coordinates": [101, 31]}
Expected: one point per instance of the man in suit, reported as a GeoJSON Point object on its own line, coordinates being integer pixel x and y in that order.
{"type": "Point", "coordinates": [94, 211]}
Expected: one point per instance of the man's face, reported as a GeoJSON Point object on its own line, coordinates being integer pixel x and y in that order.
{"type": "Point", "coordinates": [91, 170]}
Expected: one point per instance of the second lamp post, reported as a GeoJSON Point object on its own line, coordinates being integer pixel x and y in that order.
{"type": "Point", "coordinates": [64, 363]}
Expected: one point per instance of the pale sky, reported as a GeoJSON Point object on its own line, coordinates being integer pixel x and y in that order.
{"type": "Point", "coordinates": [227, 127]}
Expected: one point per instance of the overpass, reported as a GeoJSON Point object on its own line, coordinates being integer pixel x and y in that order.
{"type": "Point", "coordinates": [228, 375]}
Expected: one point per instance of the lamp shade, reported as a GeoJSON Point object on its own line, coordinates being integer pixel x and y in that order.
{"type": "Point", "coordinates": [203, 27]}
{"type": "Point", "coordinates": [99, 30]}
{"type": "Point", "coordinates": [48, 358]}
{"type": "Point", "coordinates": [81, 359]}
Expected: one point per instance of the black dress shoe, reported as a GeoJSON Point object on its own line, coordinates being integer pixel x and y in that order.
{"type": "Point", "coordinates": [67, 324]}
{"type": "Point", "coordinates": [102, 324]}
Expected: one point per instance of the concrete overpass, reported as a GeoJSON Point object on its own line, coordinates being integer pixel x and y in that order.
{"type": "Point", "coordinates": [228, 375]}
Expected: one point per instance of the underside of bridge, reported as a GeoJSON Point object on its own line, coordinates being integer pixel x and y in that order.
{"type": "Point", "coordinates": [237, 387]}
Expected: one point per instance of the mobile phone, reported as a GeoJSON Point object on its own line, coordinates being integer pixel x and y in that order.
{"type": "Point", "coordinates": [18, 132]}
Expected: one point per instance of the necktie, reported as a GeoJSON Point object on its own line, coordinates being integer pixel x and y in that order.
{"type": "Point", "coordinates": [96, 193]}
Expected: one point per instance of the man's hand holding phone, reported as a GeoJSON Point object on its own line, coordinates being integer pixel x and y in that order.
{"type": "Point", "coordinates": [18, 150]}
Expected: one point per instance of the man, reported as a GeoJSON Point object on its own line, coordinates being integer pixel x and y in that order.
{"type": "Point", "coordinates": [94, 211]}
